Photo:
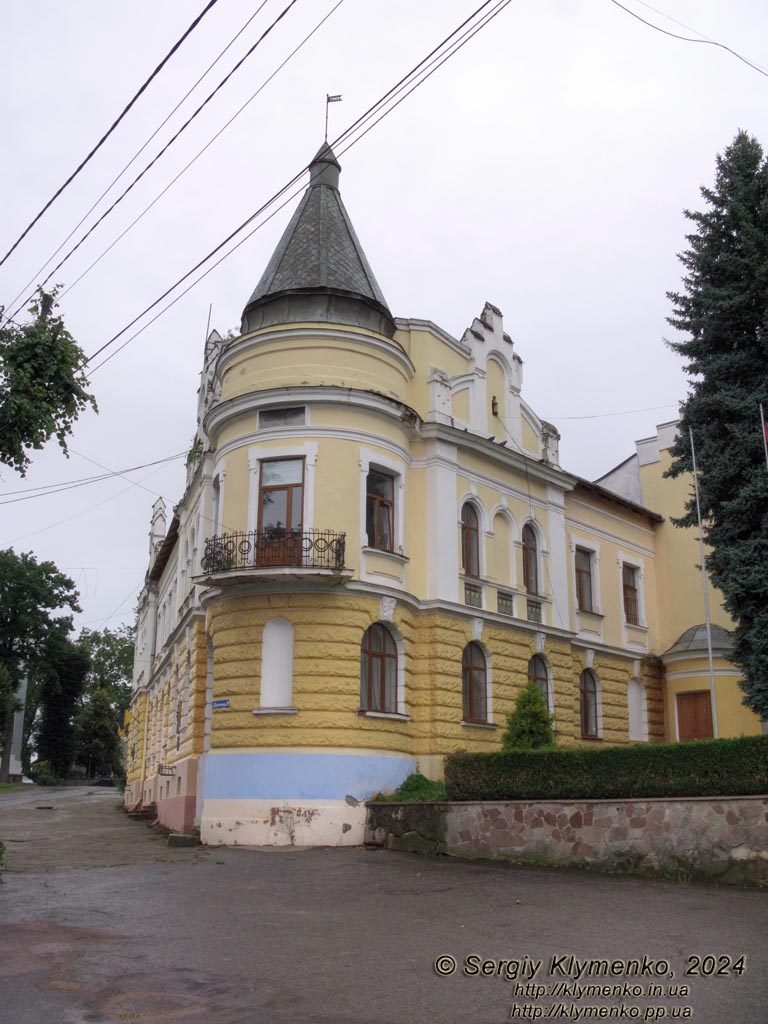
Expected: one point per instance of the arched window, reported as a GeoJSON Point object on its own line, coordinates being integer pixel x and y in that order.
{"type": "Point", "coordinates": [537, 672]}
{"type": "Point", "coordinates": [474, 684]}
{"type": "Point", "coordinates": [530, 560]}
{"type": "Point", "coordinates": [470, 541]}
{"type": "Point", "coordinates": [378, 670]}
{"type": "Point", "coordinates": [588, 697]}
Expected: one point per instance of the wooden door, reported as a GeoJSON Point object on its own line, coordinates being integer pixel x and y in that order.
{"type": "Point", "coordinates": [694, 715]}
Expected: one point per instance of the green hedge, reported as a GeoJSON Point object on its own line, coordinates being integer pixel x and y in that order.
{"type": "Point", "coordinates": [737, 767]}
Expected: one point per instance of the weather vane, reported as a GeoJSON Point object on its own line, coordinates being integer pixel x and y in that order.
{"type": "Point", "coordinates": [329, 99]}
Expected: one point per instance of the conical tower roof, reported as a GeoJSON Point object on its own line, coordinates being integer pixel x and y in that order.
{"type": "Point", "coordinates": [319, 270]}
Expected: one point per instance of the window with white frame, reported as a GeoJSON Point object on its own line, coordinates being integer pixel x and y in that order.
{"type": "Point", "coordinates": [474, 684]}
{"type": "Point", "coordinates": [380, 510]}
{"type": "Point", "coordinates": [378, 670]}
{"type": "Point", "coordinates": [585, 580]}
{"type": "Point", "coordinates": [382, 505]}
{"type": "Point", "coordinates": [630, 582]}
{"type": "Point", "coordinates": [470, 540]}
{"type": "Point", "coordinates": [294, 416]}
{"type": "Point", "coordinates": [538, 673]}
{"type": "Point", "coordinates": [589, 706]}
{"type": "Point", "coordinates": [530, 559]}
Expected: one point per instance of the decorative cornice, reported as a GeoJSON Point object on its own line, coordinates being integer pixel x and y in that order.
{"type": "Point", "coordinates": [317, 394]}
{"type": "Point", "coordinates": [379, 342]}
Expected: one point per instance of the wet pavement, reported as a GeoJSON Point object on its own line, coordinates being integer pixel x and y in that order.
{"type": "Point", "coordinates": [100, 921]}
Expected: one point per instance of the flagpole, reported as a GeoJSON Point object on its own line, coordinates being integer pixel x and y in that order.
{"type": "Point", "coordinates": [703, 557]}
{"type": "Point", "coordinates": [765, 435]}
{"type": "Point", "coordinates": [328, 100]}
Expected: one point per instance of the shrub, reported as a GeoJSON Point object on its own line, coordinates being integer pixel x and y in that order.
{"type": "Point", "coordinates": [702, 768]}
{"type": "Point", "coordinates": [42, 774]}
{"type": "Point", "coordinates": [416, 789]}
{"type": "Point", "coordinates": [529, 725]}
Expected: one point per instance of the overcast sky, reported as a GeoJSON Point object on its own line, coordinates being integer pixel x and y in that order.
{"type": "Point", "coordinates": [544, 168]}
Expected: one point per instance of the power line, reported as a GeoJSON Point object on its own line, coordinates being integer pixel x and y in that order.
{"type": "Point", "coordinates": [375, 108]}
{"type": "Point", "coordinates": [90, 508]}
{"type": "Point", "coordinates": [689, 39]}
{"type": "Point", "coordinates": [115, 613]}
{"type": "Point", "coordinates": [114, 125]}
{"type": "Point", "coordinates": [194, 159]}
{"type": "Point", "coordinates": [623, 412]}
{"type": "Point", "coordinates": [165, 148]}
{"type": "Point", "coordinates": [138, 153]}
{"type": "Point", "coordinates": [48, 489]}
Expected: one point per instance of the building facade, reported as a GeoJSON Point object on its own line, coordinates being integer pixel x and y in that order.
{"type": "Point", "coordinates": [376, 548]}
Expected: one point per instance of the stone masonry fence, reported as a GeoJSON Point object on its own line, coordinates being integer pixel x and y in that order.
{"type": "Point", "coordinates": [721, 839]}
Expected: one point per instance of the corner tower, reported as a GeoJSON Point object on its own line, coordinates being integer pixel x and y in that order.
{"type": "Point", "coordinates": [319, 272]}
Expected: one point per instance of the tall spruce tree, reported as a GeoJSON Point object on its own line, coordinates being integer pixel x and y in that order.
{"type": "Point", "coordinates": [724, 310]}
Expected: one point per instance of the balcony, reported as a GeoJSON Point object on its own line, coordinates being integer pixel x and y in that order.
{"type": "Point", "coordinates": [273, 554]}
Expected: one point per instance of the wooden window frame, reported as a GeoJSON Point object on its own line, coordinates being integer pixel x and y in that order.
{"type": "Point", "coordinates": [631, 593]}
{"type": "Point", "coordinates": [585, 581]}
{"type": "Point", "coordinates": [377, 670]}
{"type": "Point", "coordinates": [283, 487]}
{"type": "Point", "coordinates": [530, 560]}
{"type": "Point", "coordinates": [473, 676]}
{"type": "Point", "coordinates": [535, 662]}
{"type": "Point", "coordinates": [467, 532]}
{"type": "Point", "coordinates": [380, 502]}
{"type": "Point", "coordinates": [588, 689]}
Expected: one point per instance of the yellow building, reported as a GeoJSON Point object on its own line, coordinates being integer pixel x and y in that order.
{"type": "Point", "coordinates": [376, 548]}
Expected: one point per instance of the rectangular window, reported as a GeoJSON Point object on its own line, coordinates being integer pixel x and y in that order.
{"type": "Point", "coordinates": [505, 604]}
{"type": "Point", "coordinates": [281, 507]}
{"type": "Point", "coordinates": [584, 580]}
{"type": "Point", "coordinates": [295, 417]}
{"type": "Point", "coordinates": [629, 578]}
{"type": "Point", "coordinates": [534, 611]}
{"type": "Point", "coordinates": [380, 510]}
{"type": "Point", "coordinates": [473, 596]}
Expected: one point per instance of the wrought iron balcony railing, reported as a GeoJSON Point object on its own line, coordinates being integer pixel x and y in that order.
{"type": "Point", "coordinates": [274, 548]}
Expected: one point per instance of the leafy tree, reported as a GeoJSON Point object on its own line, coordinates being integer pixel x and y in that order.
{"type": "Point", "coordinates": [62, 674]}
{"type": "Point", "coordinates": [529, 726]}
{"type": "Point", "coordinates": [96, 737]}
{"type": "Point", "coordinates": [43, 388]}
{"type": "Point", "coordinates": [29, 592]}
{"type": "Point", "coordinates": [724, 310]}
{"type": "Point", "coordinates": [111, 656]}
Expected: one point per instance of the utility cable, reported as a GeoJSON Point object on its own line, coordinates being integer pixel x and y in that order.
{"type": "Point", "coordinates": [48, 489]}
{"type": "Point", "coordinates": [373, 109]}
{"type": "Point", "coordinates": [60, 522]}
{"type": "Point", "coordinates": [114, 125]}
{"type": "Point", "coordinates": [194, 159]}
{"type": "Point", "coordinates": [164, 149]}
{"type": "Point", "coordinates": [689, 39]}
{"type": "Point", "coordinates": [138, 153]}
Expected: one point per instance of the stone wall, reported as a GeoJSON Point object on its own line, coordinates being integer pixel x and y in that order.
{"type": "Point", "coordinates": [724, 839]}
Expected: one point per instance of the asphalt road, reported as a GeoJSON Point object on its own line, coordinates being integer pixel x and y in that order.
{"type": "Point", "coordinates": [101, 922]}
